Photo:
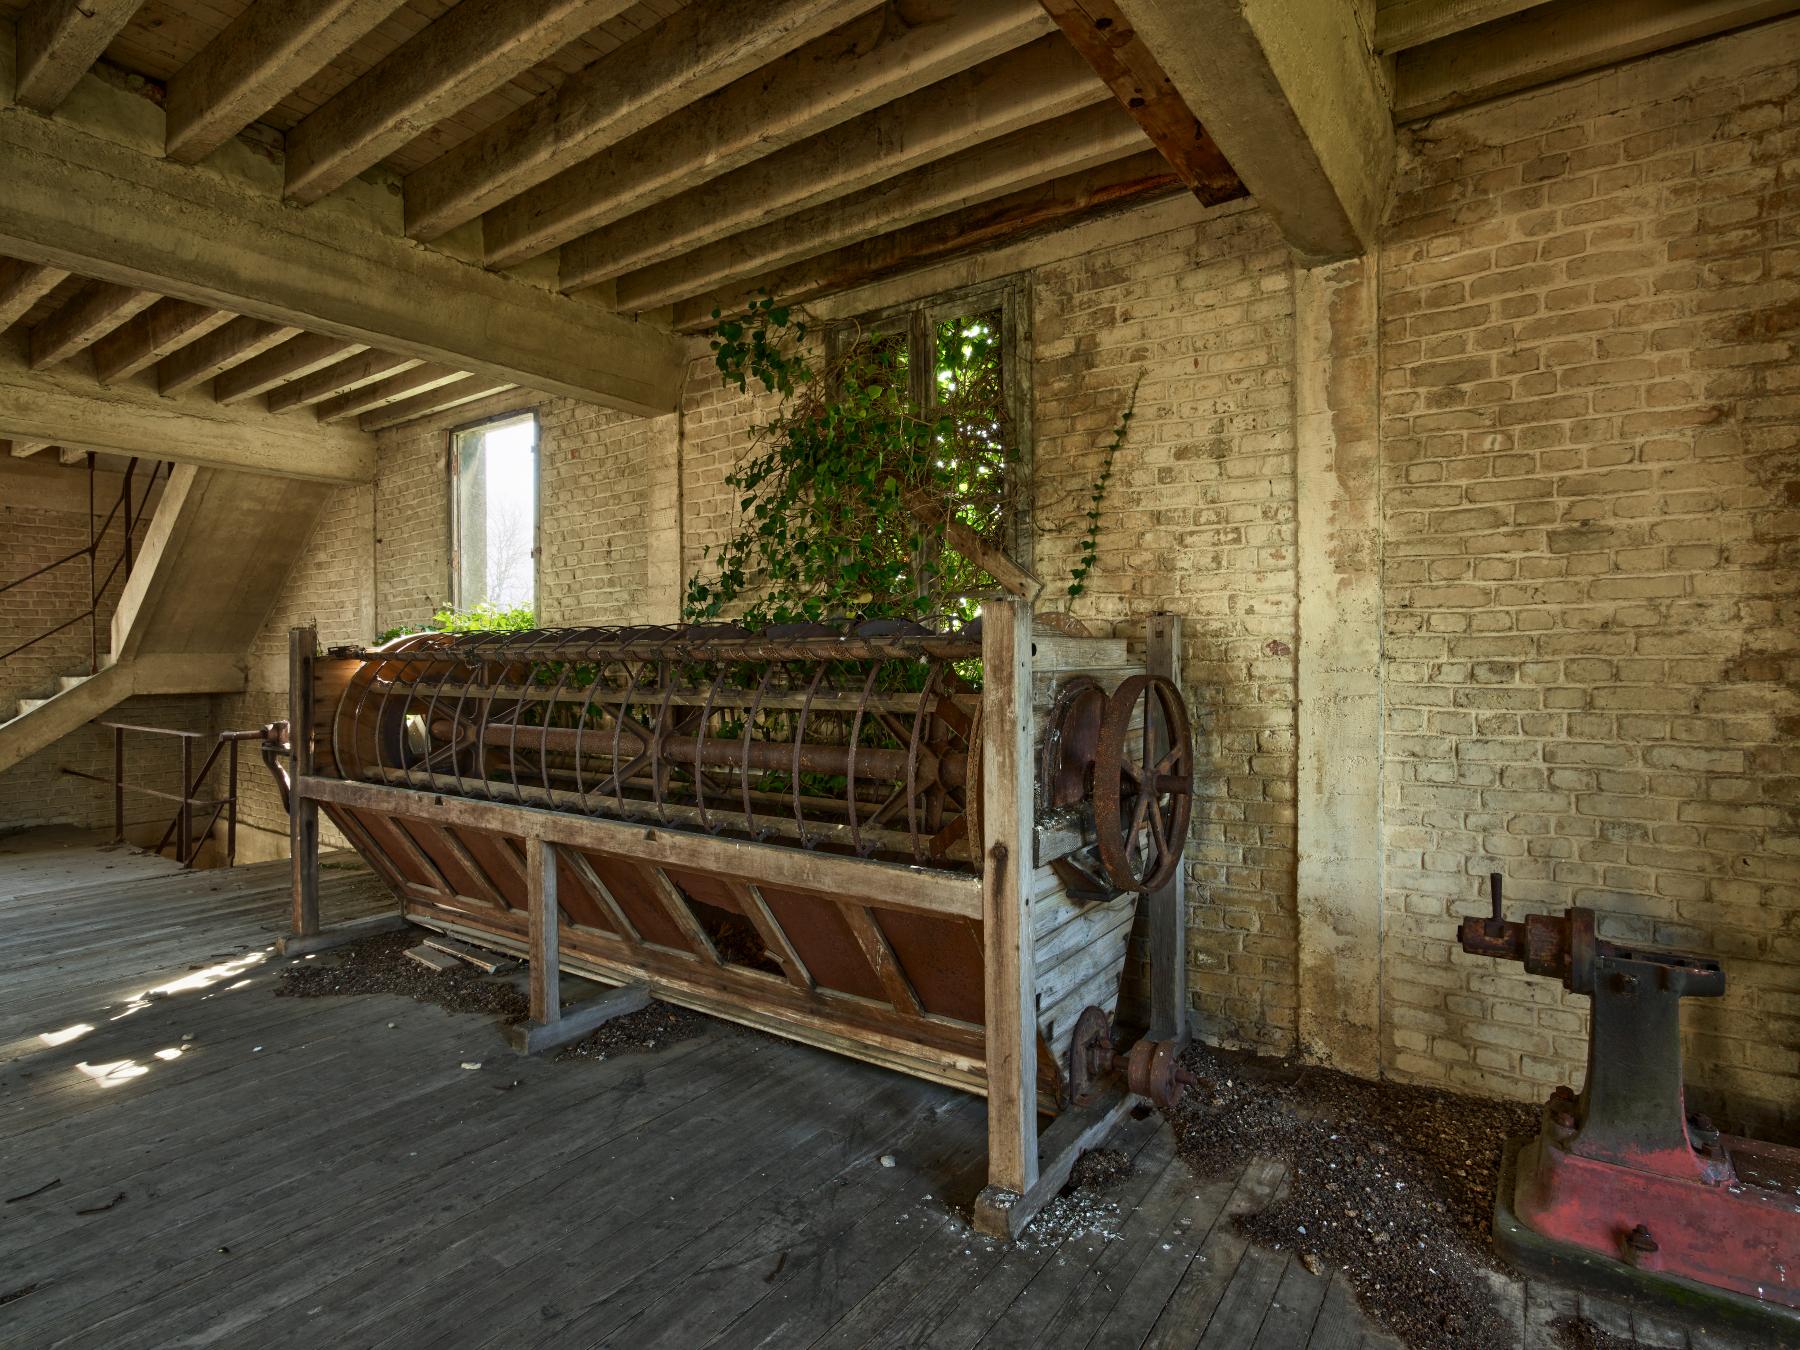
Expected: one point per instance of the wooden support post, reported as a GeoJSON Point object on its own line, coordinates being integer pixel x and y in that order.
{"type": "Point", "coordinates": [1010, 968]}
{"type": "Point", "coordinates": [529, 1038]}
{"type": "Point", "coordinates": [541, 914]}
{"type": "Point", "coordinates": [1167, 916]}
{"type": "Point", "coordinates": [303, 819]}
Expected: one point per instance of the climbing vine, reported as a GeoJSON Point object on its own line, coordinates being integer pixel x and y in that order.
{"type": "Point", "coordinates": [850, 486]}
{"type": "Point", "coordinates": [1090, 542]}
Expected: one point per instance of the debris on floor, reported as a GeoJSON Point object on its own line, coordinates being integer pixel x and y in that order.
{"type": "Point", "coordinates": [645, 1029]}
{"type": "Point", "coordinates": [1100, 1169]}
{"type": "Point", "coordinates": [1391, 1183]}
{"type": "Point", "coordinates": [1575, 1332]}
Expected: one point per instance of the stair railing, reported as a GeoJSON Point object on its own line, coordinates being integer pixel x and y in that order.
{"type": "Point", "coordinates": [133, 513]}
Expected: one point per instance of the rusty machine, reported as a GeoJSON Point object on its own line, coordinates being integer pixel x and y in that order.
{"type": "Point", "coordinates": [927, 850]}
{"type": "Point", "coordinates": [1621, 1186]}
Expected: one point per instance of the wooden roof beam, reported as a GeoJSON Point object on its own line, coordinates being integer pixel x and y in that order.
{"type": "Point", "coordinates": [258, 59]}
{"type": "Point", "coordinates": [59, 41]}
{"type": "Point", "coordinates": [341, 378]}
{"type": "Point", "coordinates": [441, 399]}
{"type": "Point", "coordinates": [852, 70]}
{"type": "Point", "coordinates": [232, 345]}
{"type": "Point", "coordinates": [1032, 85]}
{"type": "Point", "coordinates": [166, 327]}
{"type": "Point", "coordinates": [96, 206]}
{"type": "Point", "coordinates": [292, 360]}
{"type": "Point", "coordinates": [1037, 154]}
{"type": "Point", "coordinates": [463, 56]}
{"type": "Point", "coordinates": [1123, 183]}
{"type": "Point", "coordinates": [86, 319]}
{"type": "Point", "coordinates": [420, 379]}
{"type": "Point", "coordinates": [1296, 101]}
{"type": "Point", "coordinates": [62, 407]}
{"type": "Point", "coordinates": [1557, 40]}
{"type": "Point", "coordinates": [700, 49]}
{"type": "Point", "coordinates": [1400, 24]}
{"type": "Point", "coordinates": [1097, 30]}
{"type": "Point", "coordinates": [22, 285]}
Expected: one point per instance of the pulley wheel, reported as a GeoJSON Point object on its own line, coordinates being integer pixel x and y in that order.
{"type": "Point", "coordinates": [1143, 783]}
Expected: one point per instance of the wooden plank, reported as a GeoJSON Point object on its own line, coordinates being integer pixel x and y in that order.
{"type": "Point", "coordinates": [1166, 907]}
{"type": "Point", "coordinates": [323, 939]}
{"type": "Point", "coordinates": [299, 356]}
{"type": "Point", "coordinates": [703, 47]}
{"type": "Point", "coordinates": [925, 889]}
{"type": "Point", "coordinates": [1106, 39]}
{"type": "Point", "coordinates": [22, 285]}
{"type": "Point", "coordinates": [341, 378]}
{"type": "Point", "coordinates": [572, 1023]}
{"type": "Point", "coordinates": [774, 937]}
{"type": "Point", "coordinates": [824, 83]}
{"type": "Point", "coordinates": [232, 344]}
{"type": "Point", "coordinates": [1400, 24]}
{"type": "Point", "coordinates": [584, 870]}
{"type": "Point", "coordinates": [257, 60]}
{"type": "Point", "coordinates": [1123, 183]}
{"type": "Point", "coordinates": [59, 40]}
{"type": "Point", "coordinates": [160, 331]}
{"type": "Point", "coordinates": [86, 319]}
{"type": "Point", "coordinates": [545, 921]}
{"type": "Point", "coordinates": [1020, 160]}
{"type": "Point", "coordinates": [449, 64]}
{"type": "Point", "coordinates": [1008, 960]}
{"type": "Point", "coordinates": [668, 895]}
{"type": "Point", "coordinates": [880, 956]}
{"type": "Point", "coordinates": [1032, 85]}
{"type": "Point", "coordinates": [303, 812]}
{"type": "Point", "coordinates": [433, 959]}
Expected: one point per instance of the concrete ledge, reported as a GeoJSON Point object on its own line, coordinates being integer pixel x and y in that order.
{"type": "Point", "coordinates": [531, 1038]}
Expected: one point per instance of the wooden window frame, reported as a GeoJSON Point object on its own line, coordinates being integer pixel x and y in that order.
{"type": "Point", "coordinates": [453, 468]}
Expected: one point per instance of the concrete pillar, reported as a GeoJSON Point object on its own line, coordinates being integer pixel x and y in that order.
{"type": "Point", "coordinates": [1336, 421]}
{"type": "Point", "coordinates": [665, 587]}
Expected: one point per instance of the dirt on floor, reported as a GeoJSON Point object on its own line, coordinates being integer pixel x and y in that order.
{"type": "Point", "coordinates": [1574, 1332]}
{"type": "Point", "coordinates": [1390, 1183]}
{"type": "Point", "coordinates": [380, 965]}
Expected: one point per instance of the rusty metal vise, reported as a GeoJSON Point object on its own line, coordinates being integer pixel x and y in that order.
{"type": "Point", "coordinates": [1622, 1185]}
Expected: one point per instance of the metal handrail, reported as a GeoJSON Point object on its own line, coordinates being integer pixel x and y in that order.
{"type": "Point", "coordinates": [96, 537]}
{"type": "Point", "coordinates": [181, 829]}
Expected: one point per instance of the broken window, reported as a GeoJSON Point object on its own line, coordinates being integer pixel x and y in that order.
{"type": "Point", "coordinates": [494, 514]}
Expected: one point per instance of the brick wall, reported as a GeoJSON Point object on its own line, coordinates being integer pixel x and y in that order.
{"type": "Point", "coordinates": [1592, 580]}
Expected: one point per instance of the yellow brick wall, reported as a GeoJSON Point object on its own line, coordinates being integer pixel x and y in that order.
{"type": "Point", "coordinates": [1592, 581]}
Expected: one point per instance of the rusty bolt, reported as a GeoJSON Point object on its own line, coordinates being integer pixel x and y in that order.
{"type": "Point", "coordinates": [1640, 1241]}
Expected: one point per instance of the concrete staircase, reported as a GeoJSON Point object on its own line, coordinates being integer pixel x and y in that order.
{"type": "Point", "coordinates": [219, 549]}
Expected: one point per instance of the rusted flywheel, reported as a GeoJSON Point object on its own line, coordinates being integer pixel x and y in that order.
{"type": "Point", "coordinates": [1150, 1068]}
{"type": "Point", "coordinates": [1143, 783]}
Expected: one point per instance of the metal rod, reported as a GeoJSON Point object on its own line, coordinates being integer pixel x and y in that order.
{"type": "Point", "coordinates": [118, 785]}
{"type": "Point", "coordinates": [93, 595]}
{"type": "Point", "coordinates": [130, 468]}
{"type": "Point", "coordinates": [231, 797]}
{"type": "Point", "coordinates": [187, 810]}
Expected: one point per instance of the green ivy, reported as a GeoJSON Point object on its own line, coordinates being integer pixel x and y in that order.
{"type": "Point", "coordinates": [825, 530]}
{"type": "Point", "coordinates": [1090, 543]}
{"type": "Point", "coordinates": [482, 619]}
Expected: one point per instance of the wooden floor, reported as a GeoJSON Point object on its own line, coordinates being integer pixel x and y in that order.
{"type": "Point", "coordinates": [187, 1160]}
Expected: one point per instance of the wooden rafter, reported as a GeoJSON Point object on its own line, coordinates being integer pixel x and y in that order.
{"type": "Point", "coordinates": [163, 329]}
{"type": "Point", "coordinates": [1007, 164]}
{"type": "Point", "coordinates": [86, 319]}
{"type": "Point", "coordinates": [418, 380]}
{"type": "Point", "coordinates": [451, 395]}
{"type": "Point", "coordinates": [1400, 24]}
{"type": "Point", "coordinates": [263, 55]}
{"type": "Point", "coordinates": [1020, 89]}
{"type": "Point", "coordinates": [340, 378]}
{"type": "Point", "coordinates": [467, 54]}
{"type": "Point", "coordinates": [22, 285]}
{"type": "Point", "coordinates": [231, 345]}
{"type": "Point", "coordinates": [59, 40]}
{"type": "Point", "coordinates": [292, 360]}
{"type": "Point", "coordinates": [1127, 182]}
{"type": "Point", "coordinates": [700, 49]}
{"type": "Point", "coordinates": [1098, 30]}
{"type": "Point", "coordinates": [824, 83]}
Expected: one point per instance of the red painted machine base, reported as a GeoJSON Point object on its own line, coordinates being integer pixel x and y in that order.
{"type": "Point", "coordinates": [1588, 1251]}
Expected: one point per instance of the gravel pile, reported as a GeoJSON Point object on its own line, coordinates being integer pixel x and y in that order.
{"type": "Point", "coordinates": [1574, 1332]}
{"type": "Point", "coordinates": [1392, 1184]}
{"type": "Point", "coordinates": [645, 1029]}
{"type": "Point", "coordinates": [380, 965]}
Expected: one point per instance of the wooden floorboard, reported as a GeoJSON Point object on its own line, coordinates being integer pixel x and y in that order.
{"type": "Point", "coordinates": [214, 1165]}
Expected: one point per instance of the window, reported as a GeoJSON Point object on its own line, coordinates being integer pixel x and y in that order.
{"type": "Point", "coordinates": [966, 359]}
{"type": "Point", "coordinates": [494, 514]}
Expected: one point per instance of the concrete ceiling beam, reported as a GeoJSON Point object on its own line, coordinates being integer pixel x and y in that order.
{"type": "Point", "coordinates": [87, 318]}
{"type": "Point", "coordinates": [1021, 89]}
{"type": "Point", "coordinates": [1297, 101]}
{"type": "Point", "coordinates": [1069, 144]}
{"type": "Point", "coordinates": [60, 407]}
{"type": "Point", "coordinates": [698, 50]}
{"type": "Point", "coordinates": [292, 360]}
{"type": "Point", "coordinates": [257, 60]}
{"type": "Point", "coordinates": [163, 329]}
{"type": "Point", "coordinates": [478, 47]}
{"type": "Point", "coordinates": [339, 378]}
{"type": "Point", "coordinates": [59, 41]}
{"type": "Point", "coordinates": [239, 341]}
{"type": "Point", "coordinates": [23, 284]}
{"type": "Point", "coordinates": [453, 395]}
{"type": "Point", "coordinates": [830, 80]}
{"type": "Point", "coordinates": [88, 200]}
{"type": "Point", "coordinates": [1557, 40]}
{"type": "Point", "coordinates": [418, 380]}
{"type": "Point", "coordinates": [1400, 24]}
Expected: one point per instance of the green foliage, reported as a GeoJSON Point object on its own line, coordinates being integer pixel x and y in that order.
{"type": "Point", "coordinates": [483, 618]}
{"type": "Point", "coordinates": [830, 498]}
{"type": "Point", "coordinates": [1090, 543]}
